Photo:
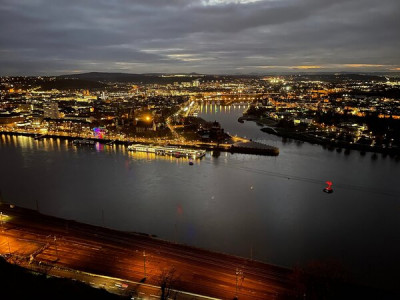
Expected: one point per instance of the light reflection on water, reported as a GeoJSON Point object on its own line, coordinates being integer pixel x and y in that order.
{"type": "Point", "coordinates": [231, 203]}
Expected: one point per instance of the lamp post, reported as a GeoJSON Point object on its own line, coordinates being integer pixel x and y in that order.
{"type": "Point", "coordinates": [144, 263]}
{"type": "Point", "coordinates": [238, 272]}
{"type": "Point", "coordinates": [55, 242]}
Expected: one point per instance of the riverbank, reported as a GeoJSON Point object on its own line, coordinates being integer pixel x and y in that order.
{"type": "Point", "coordinates": [133, 264]}
{"type": "Point", "coordinates": [243, 148]}
{"type": "Point", "coordinates": [268, 127]}
{"type": "Point", "coordinates": [28, 237]}
{"type": "Point", "coordinates": [328, 143]}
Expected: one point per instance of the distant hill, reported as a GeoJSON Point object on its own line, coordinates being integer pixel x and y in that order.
{"type": "Point", "coordinates": [126, 77]}
{"type": "Point", "coordinates": [108, 77]}
{"type": "Point", "coordinates": [170, 78]}
{"type": "Point", "coordinates": [340, 77]}
{"type": "Point", "coordinates": [71, 84]}
{"type": "Point", "coordinates": [145, 78]}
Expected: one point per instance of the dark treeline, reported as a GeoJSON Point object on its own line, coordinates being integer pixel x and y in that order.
{"type": "Point", "coordinates": [388, 128]}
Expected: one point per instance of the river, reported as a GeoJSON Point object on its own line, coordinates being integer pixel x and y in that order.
{"type": "Point", "coordinates": [266, 208]}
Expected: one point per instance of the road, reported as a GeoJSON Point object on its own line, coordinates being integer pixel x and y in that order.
{"type": "Point", "coordinates": [35, 240]}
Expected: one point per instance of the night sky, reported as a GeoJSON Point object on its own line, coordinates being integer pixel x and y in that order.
{"type": "Point", "coordinates": [53, 37]}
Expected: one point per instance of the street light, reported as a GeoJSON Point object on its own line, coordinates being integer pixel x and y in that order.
{"type": "Point", "coordinates": [238, 272]}
{"type": "Point", "coordinates": [144, 263]}
{"type": "Point", "coordinates": [55, 242]}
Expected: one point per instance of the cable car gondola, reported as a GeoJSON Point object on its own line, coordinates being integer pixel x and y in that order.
{"type": "Point", "coordinates": [328, 189]}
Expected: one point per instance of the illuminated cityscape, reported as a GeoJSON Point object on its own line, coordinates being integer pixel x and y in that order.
{"type": "Point", "coordinates": [360, 112]}
{"type": "Point", "coordinates": [199, 149]}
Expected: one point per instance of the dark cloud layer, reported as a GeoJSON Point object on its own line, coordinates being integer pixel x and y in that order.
{"type": "Point", "coordinates": [206, 36]}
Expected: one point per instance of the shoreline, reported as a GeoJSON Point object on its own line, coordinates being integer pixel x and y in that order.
{"type": "Point", "coordinates": [32, 213]}
{"type": "Point", "coordinates": [112, 259]}
{"type": "Point", "coordinates": [267, 150]}
{"type": "Point", "coordinates": [107, 252]}
{"type": "Point", "coordinates": [332, 145]}
{"type": "Point", "coordinates": [324, 142]}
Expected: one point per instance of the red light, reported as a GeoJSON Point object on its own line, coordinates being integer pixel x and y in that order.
{"type": "Point", "coordinates": [329, 183]}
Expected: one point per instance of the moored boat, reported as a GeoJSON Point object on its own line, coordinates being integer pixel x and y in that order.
{"type": "Point", "coordinates": [167, 150]}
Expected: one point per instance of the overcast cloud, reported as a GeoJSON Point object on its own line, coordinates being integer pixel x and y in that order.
{"type": "Point", "coordinates": [51, 37]}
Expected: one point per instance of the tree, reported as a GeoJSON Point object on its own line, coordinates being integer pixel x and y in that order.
{"type": "Point", "coordinates": [167, 281]}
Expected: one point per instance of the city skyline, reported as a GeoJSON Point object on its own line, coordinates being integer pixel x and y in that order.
{"type": "Point", "coordinates": [199, 149]}
{"type": "Point", "coordinates": [183, 36]}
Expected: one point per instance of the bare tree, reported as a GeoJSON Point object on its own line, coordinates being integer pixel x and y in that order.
{"type": "Point", "coordinates": [167, 281]}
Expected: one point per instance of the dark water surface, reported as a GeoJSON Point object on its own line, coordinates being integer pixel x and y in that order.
{"type": "Point", "coordinates": [270, 207]}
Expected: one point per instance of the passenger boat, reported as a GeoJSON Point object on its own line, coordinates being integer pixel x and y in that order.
{"type": "Point", "coordinates": [167, 150]}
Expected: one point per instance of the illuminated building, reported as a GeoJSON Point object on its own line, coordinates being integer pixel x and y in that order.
{"type": "Point", "coordinates": [50, 110]}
